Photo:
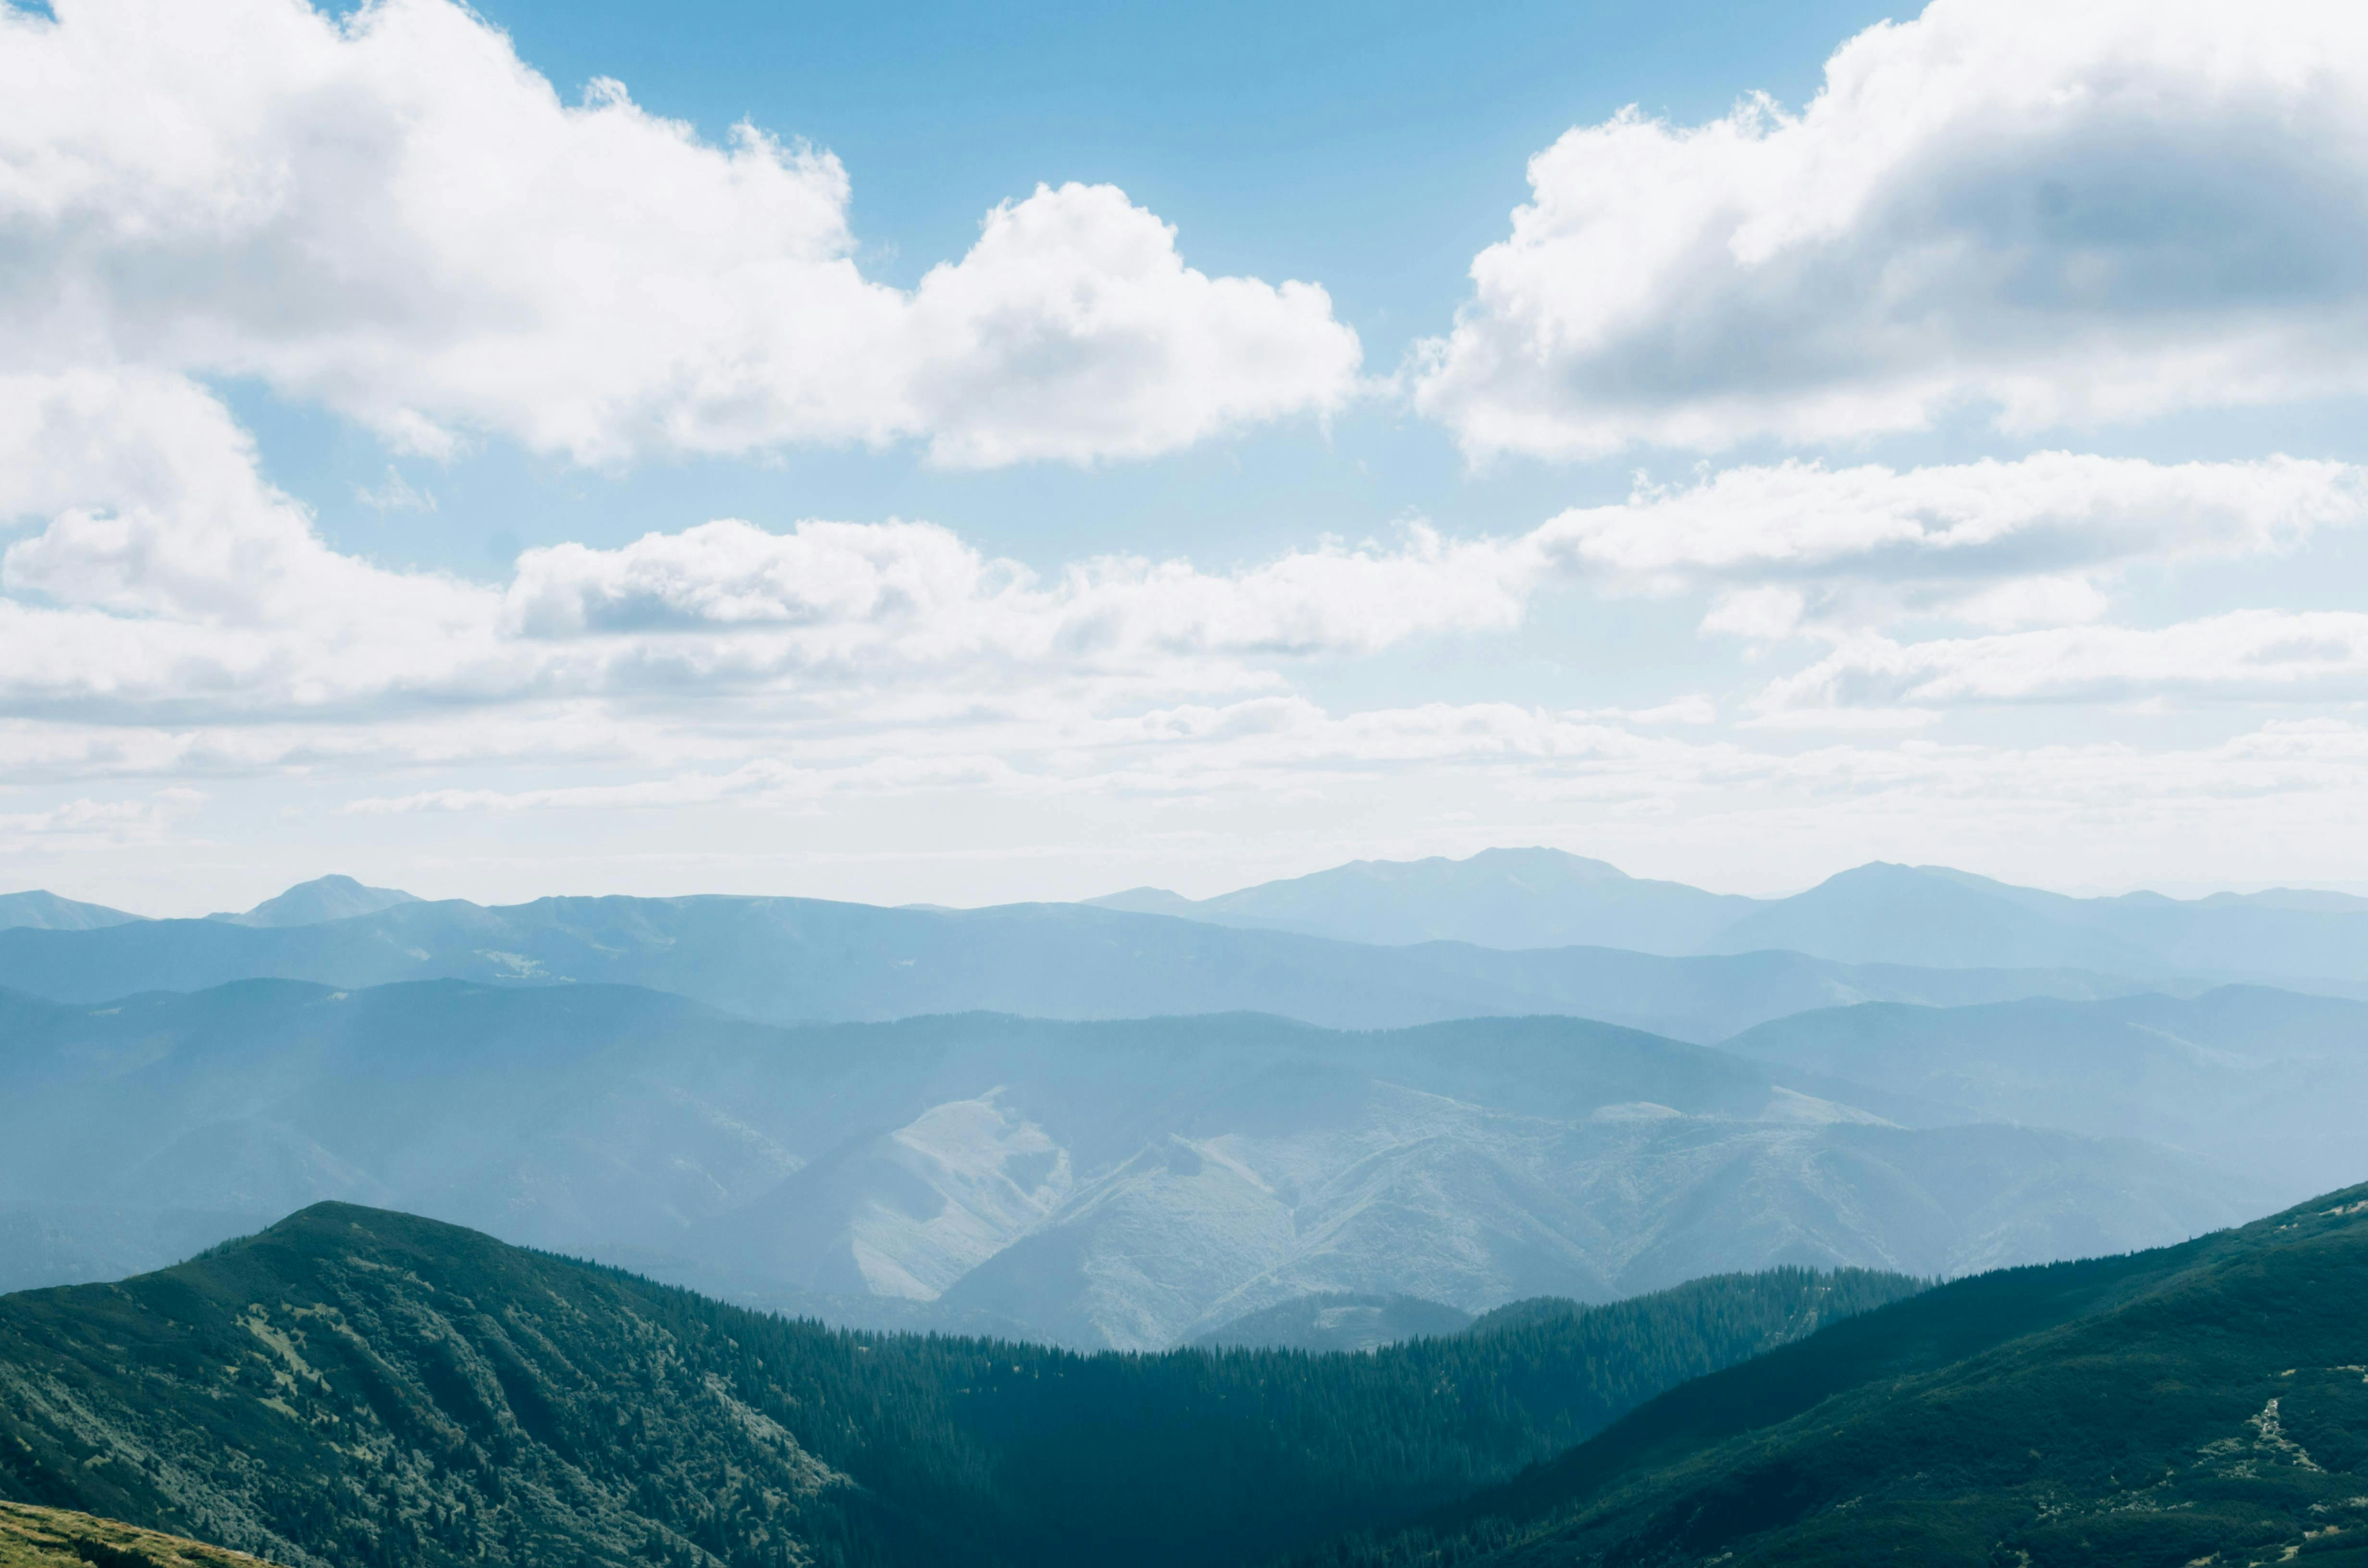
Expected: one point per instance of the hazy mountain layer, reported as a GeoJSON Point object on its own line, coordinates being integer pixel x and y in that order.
{"type": "Point", "coordinates": [793, 960]}
{"type": "Point", "coordinates": [1122, 1184]}
{"type": "Point", "coordinates": [1336, 1321]}
{"type": "Point", "coordinates": [1385, 1189]}
{"type": "Point", "coordinates": [47, 911]}
{"type": "Point", "coordinates": [1919, 917]}
{"type": "Point", "coordinates": [2203, 1403]}
{"type": "Point", "coordinates": [58, 1241]}
{"type": "Point", "coordinates": [2265, 1080]}
{"type": "Point", "coordinates": [355, 1386]}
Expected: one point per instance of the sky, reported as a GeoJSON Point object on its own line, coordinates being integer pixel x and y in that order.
{"type": "Point", "coordinates": [965, 454]}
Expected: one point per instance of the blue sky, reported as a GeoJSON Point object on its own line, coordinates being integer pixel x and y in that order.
{"type": "Point", "coordinates": [1373, 149]}
{"type": "Point", "coordinates": [1954, 466]}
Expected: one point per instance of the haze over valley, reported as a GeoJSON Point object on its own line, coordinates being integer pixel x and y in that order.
{"type": "Point", "coordinates": [1185, 786]}
{"type": "Point", "coordinates": [1251, 1117]}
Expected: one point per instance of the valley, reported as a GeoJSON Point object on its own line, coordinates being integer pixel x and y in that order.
{"type": "Point", "coordinates": [1396, 1274]}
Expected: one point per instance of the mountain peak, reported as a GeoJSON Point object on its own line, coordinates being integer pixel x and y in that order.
{"type": "Point", "coordinates": [322, 898]}
{"type": "Point", "coordinates": [1144, 901]}
{"type": "Point", "coordinates": [1507, 897]}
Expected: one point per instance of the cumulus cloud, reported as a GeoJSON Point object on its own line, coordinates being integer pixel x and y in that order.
{"type": "Point", "coordinates": [168, 580]}
{"type": "Point", "coordinates": [2061, 214]}
{"type": "Point", "coordinates": [391, 214]}
{"type": "Point", "coordinates": [169, 577]}
{"type": "Point", "coordinates": [914, 593]}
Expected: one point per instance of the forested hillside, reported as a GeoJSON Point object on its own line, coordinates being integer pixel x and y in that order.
{"type": "Point", "coordinates": [2203, 1403]}
{"type": "Point", "coordinates": [356, 1386]}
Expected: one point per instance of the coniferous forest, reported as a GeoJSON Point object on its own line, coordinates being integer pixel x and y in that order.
{"type": "Point", "coordinates": [358, 1386]}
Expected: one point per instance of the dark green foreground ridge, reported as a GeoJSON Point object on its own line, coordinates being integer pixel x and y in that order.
{"type": "Point", "coordinates": [2198, 1405]}
{"type": "Point", "coordinates": [361, 1389]}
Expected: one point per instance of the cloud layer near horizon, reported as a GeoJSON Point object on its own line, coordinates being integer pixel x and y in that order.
{"type": "Point", "coordinates": [171, 585]}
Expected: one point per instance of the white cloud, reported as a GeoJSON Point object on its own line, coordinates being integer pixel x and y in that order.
{"type": "Point", "coordinates": [394, 216]}
{"type": "Point", "coordinates": [2261, 653]}
{"type": "Point", "coordinates": [908, 594]}
{"type": "Point", "coordinates": [2064, 214]}
{"type": "Point", "coordinates": [171, 577]}
{"type": "Point", "coordinates": [168, 582]}
{"type": "Point", "coordinates": [1995, 544]}
{"type": "Point", "coordinates": [85, 824]}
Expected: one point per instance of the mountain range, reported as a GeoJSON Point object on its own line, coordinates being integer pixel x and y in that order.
{"type": "Point", "coordinates": [1922, 916]}
{"type": "Point", "coordinates": [1504, 931]}
{"type": "Point", "coordinates": [355, 1385]}
{"type": "Point", "coordinates": [39, 911]}
{"type": "Point", "coordinates": [1127, 1184]}
{"type": "Point", "coordinates": [805, 960]}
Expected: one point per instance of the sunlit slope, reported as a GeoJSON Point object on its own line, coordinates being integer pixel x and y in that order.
{"type": "Point", "coordinates": [2206, 1403]}
{"type": "Point", "coordinates": [36, 1536]}
{"type": "Point", "coordinates": [356, 1386]}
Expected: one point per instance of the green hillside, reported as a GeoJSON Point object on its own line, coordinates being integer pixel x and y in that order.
{"type": "Point", "coordinates": [59, 1537]}
{"type": "Point", "coordinates": [356, 1387]}
{"type": "Point", "coordinates": [2200, 1404]}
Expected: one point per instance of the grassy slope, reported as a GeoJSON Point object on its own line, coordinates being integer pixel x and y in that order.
{"type": "Point", "coordinates": [32, 1536]}
{"type": "Point", "coordinates": [2206, 1403]}
{"type": "Point", "coordinates": [368, 1390]}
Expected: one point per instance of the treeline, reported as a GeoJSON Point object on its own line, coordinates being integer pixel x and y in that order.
{"type": "Point", "coordinates": [355, 1387]}
{"type": "Point", "coordinates": [1196, 1456]}
{"type": "Point", "coordinates": [2201, 1402]}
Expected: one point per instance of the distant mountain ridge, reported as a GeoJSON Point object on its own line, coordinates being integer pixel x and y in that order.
{"type": "Point", "coordinates": [39, 911]}
{"type": "Point", "coordinates": [1924, 917]}
{"type": "Point", "coordinates": [1499, 898]}
{"type": "Point", "coordinates": [2268, 1080]}
{"type": "Point", "coordinates": [787, 959]}
{"type": "Point", "coordinates": [1334, 1321]}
